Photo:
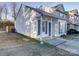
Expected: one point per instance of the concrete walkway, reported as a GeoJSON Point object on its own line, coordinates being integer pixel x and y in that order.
{"type": "Point", "coordinates": [56, 41]}
{"type": "Point", "coordinates": [71, 46]}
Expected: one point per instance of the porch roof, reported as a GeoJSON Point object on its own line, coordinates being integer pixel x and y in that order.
{"type": "Point", "coordinates": [62, 12]}
{"type": "Point", "coordinates": [72, 23]}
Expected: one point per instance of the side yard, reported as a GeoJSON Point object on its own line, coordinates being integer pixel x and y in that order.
{"type": "Point", "coordinates": [13, 39]}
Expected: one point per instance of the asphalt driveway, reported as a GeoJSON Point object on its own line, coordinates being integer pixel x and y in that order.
{"type": "Point", "coordinates": [34, 49]}
{"type": "Point", "coordinates": [9, 40]}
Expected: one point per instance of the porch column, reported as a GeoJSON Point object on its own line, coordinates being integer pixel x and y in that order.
{"type": "Point", "coordinates": [41, 39]}
{"type": "Point", "coordinates": [66, 27]}
{"type": "Point", "coordinates": [51, 28]}
{"type": "Point", "coordinates": [41, 27]}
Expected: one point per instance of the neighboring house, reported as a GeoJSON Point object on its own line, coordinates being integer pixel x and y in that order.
{"type": "Point", "coordinates": [61, 23]}
{"type": "Point", "coordinates": [73, 21]}
{"type": "Point", "coordinates": [38, 23]}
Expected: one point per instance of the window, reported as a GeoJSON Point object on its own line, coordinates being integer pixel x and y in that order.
{"type": "Point", "coordinates": [71, 18]}
{"type": "Point", "coordinates": [77, 18]}
{"type": "Point", "coordinates": [61, 27]}
{"type": "Point", "coordinates": [62, 15]}
{"type": "Point", "coordinates": [43, 26]}
{"type": "Point", "coordinates": [65, 16]}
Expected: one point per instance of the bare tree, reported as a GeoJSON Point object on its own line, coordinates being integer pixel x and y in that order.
{"type": "Point", "coordinates": [14, 10]}
{"type": "Point", "coordinates": [5, 11]}
{"type": "Point", "coordinates": [1, 8]}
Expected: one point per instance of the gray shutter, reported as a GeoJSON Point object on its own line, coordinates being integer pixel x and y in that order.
{"type": "Point", "coordinates": [39, 26]}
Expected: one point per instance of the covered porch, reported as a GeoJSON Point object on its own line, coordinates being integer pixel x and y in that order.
{"type": "Point", "coordinates": [50, 27]}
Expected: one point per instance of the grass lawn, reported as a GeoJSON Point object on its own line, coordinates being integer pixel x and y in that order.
{"type": "Point", "coordinates": [25, 39]}
{"type": "Point", "coordinates": [14, 39]}
{"type": "Point", "coordinates": [72, 36]}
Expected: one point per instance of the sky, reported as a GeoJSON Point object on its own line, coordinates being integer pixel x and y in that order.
{"type": "Point", "coordinates": [67, 5]}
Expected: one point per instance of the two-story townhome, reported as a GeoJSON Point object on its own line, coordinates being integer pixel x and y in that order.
{"type": "Point", "coordinates": [33, 22]}
{"type": "Point", "coordinates": [60, 23]}
{"type": "Point", "coordinates": [62, 19]}
{"type": "Point", "coordinates": [73, 21]}
{"type": "Point", "coordinates": [37, 23]}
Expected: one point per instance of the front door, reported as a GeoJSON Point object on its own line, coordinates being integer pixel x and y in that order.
{"type": "Point", "coordinates": [44, 27]}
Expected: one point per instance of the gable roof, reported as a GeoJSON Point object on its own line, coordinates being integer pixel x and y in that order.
{"type": "Point", "coordinates": [57, 8]}
{"type": "Point", "coordinates": [59, 5]}
{"type": "Point", "coordinates": [18, 10]}
{"type": "Point", "coordinates": [39, 11]}
{"type": "Point", "coordinates": [75, 12]}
